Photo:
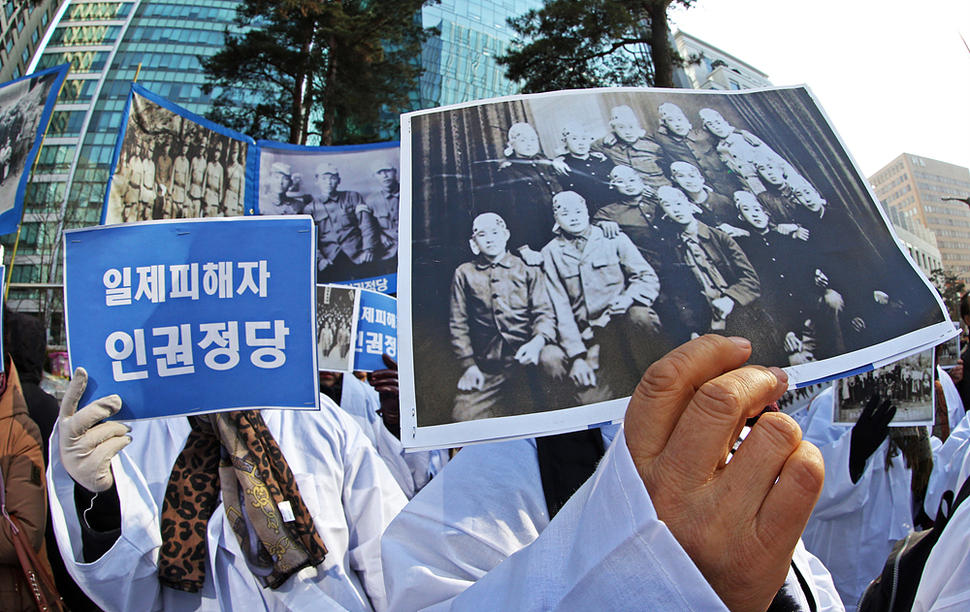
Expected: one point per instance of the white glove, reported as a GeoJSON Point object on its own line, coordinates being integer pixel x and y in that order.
{"type": "Point", "coordinates": [87, 444]}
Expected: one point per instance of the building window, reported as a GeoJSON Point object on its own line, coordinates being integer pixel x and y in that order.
{"type": "Point", "coordinates": [55, 158]}
{"type": "Point", "coordinates": [16, 72]}
{"type": "Point", "coordinates": [25, 55]}
{"type": "Point", "coordinates": [734, 84]}
{"type": "Point", "coordinates": [66, 123]}
{"type": "Point", "coordinates": [35, 37]}
{"type": "Point", "coordinates": [10, 7]}
{"type": "Point", "coordinates": [20, 25]}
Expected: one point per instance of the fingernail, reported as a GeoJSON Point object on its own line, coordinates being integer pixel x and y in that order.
{"type": "Point", "coordinates": [741, 342]}
{"type": "Point", "coordinates": [780, 374]}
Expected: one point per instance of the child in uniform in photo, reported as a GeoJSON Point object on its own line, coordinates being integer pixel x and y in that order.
{"type": "Point", "coordinates": [502, 326]}
{"type": "Point", "coordinates": [603, 291]}
{"type": "Point", "coordinates": [589, 171]}
{"type": "Point", "coordinates": [724, 279]}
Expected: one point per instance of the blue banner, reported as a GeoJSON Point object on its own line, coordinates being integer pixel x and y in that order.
{"type": "Point", "coordinates": [26, 105]}
{"type": "Point", "coordinates": [352, 193]}
{"type": "Point", "coordinates": [376, 331]}
{"type": "Point", "coordinates": [170, 163]}
{"type": "Point", "coordinates": [215, 315]}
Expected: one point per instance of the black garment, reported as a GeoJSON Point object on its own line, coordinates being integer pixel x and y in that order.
{"type": "Point", "coordinates": [590, 178]}
{"type": "Point", "coordinates": [523, 198]}
{"type": "Point", "coordinates": [566, 461]}
{"type": "Point", "coordinates": [964, 385]}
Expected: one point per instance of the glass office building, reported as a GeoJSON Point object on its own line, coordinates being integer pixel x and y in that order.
{"type": "Point", "coordinates": [106, 43]}
{"type": "Point", "coordinates": [460, 62]}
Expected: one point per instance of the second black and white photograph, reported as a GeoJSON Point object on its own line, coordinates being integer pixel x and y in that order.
{"type": "Point", "coordinates": [336, 306]}
{"type": "Point", "coordinates": [352, 193]}
{"type": "Point", "coordinates": [563, 242]}
{"type": "Point", "coordinates": [908, 384]}
{"type": "Point", "coordinates": [171, 166]}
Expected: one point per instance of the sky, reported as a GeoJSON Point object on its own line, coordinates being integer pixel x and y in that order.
{"type": "Point", "coordinates": [892, 76]}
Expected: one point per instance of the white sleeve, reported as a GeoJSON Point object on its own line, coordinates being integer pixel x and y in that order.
{"type": "Point", "coordinates": [817, 426]}
{"type": "Point", "coordinates": [945, 582]}
{"type": "Point", "coordinates": [819, 580]}
{"type": "Point", "coordinates": [126, 576]}
{"type": "Point", "coordinates": [954, 403]}
{"type": "Point", "coordinates": [371, 498]}
{"type": "Point", "coordinates": [362, 402]}
{"type": "Point", "coordinates": [951, 466]}
{"type": "Point", "coordinates": [478, 538]}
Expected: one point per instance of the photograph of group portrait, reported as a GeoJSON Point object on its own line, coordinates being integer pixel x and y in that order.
{"type": "Point", "coordinates": [560, 243]}
{"type": "Point", "coordinates": [172, 164]}
{"type": "Point", "coordinates": [352, 193]}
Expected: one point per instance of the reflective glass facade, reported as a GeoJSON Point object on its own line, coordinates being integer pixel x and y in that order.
{"type": "Point", "coordinates": [460, 63]}
{"type": "Point", "coordinates": [105, 42]}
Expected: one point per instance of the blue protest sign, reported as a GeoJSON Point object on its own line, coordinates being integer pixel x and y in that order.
{"type": "Point", "coordinates": [376, 331]}
{"type": "Point", "coordinates": [195, 315]}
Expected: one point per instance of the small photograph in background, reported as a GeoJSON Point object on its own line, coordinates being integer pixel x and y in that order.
{"type": "Point", "coordinates": [336, 306]}
{"type": "Point", "coordinates": [908, 383]}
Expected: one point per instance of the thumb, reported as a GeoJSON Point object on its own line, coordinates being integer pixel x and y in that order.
{"type": "Point", "coordinates": [74, 392]}
{"type": "Point", "coordinates": [389, 362]}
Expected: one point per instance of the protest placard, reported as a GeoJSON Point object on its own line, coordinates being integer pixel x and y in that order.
{"type": "Point", "coordinates": [554, 245]}
{"type": "Point", "coordinates": [170, 163]}
{"type": "Point", "coordinates": [336, 321]}
{"type": "Point", "coordinates": [355, 328]}
{"type": "Point", "coordinates": [352, 193]}
{"type": "Point", "coordinates": [26, 105]}
{"type": "Point", "coordinates": [376, 331]}
{"type": "Point", "coordinates": [193, 316]}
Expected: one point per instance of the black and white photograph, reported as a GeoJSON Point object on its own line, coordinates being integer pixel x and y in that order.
{"type": "Point", "coordinates": [562, 242]}
{"type": "Point", "coordinates": [172, 167]}
{"type": "Point", "coordinates": [948, 353]}
{"type": "Point", "coordinates": [336, 324]}
{"type": "Point", "coordinates": [24, 115]}
{"type": "Point", "coordinates": [353, 195]}
{"type": "Point", "coordinates": [908, 384]}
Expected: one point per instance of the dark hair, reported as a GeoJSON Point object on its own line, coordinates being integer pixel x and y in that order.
{"type": "Point", "coordinates": [965, 305]}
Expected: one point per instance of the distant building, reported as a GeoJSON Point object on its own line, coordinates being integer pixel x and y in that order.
{"type": "Point", "coordinates": [460, 63]}
{"type": "Point", "coordinates": [22, 26]}
{"type": "Point", "coordinates": [919, 241]}
{"type": "Point", "coordinates": [717, 69]}
{"type": "Point", "coordinates": [922, 191]}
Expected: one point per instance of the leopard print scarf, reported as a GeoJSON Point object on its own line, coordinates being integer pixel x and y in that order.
{"type": "Point", "coordinates": [236, 452]}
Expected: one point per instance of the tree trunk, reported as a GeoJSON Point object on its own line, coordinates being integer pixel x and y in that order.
{"type": "Point", "coordinates": [297, 133]}
{"type": "Point", "coordinates": [329, 83]}
{"type": "Point", "coordinates": [660, 51]}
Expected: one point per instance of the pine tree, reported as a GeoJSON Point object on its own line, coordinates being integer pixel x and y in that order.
{"type": "Point", "coordinates": [332, 72]}
{"type": "Point", "coordinates": [595, 43]}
